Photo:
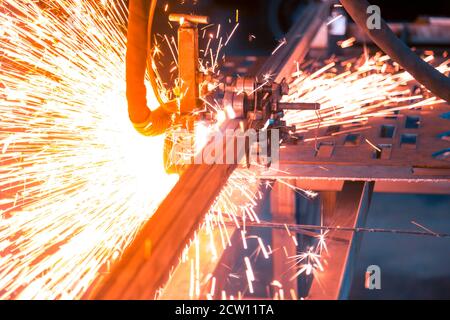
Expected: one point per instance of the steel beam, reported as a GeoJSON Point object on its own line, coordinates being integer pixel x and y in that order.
{"type": "Point", "coordinates": [352, 205]}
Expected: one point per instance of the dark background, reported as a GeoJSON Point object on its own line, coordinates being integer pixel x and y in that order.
{"type": "Point", "coordinates": [268, 20]}
{"type": "Point", "coordinates": [412, 267]}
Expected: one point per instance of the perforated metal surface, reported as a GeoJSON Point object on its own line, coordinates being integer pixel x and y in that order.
{"type": "Point", "coordinates": [412, 145]}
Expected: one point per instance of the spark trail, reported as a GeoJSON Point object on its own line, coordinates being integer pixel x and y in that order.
{"type": "Point", "coordinates": [76, 181]}
{"type": "Point", "coordinates": [351, 91]}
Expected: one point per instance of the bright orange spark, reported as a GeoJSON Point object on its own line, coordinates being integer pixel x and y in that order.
{"type": "Point", "coordinates": [77, 182]}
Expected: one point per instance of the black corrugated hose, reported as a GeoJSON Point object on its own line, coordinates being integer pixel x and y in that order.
{"type": "Point", "coordinates": [387, 41]}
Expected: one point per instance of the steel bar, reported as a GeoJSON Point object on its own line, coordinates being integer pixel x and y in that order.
{"type": "Point", "coordinates": [352, 171]}
{"type": "Point", "coordinates": [145, 265]}
{"type": "Point", "coordinates": [311, 230]}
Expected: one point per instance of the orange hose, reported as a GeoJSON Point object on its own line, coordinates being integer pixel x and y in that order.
{"type": "Point", "coordinates": [138, 61]}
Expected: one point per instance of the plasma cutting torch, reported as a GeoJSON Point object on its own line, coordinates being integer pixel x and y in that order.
{"type": "Point", "coordinates": [252, 99]}
{"type": "Point", "coordinates": [255, 100]}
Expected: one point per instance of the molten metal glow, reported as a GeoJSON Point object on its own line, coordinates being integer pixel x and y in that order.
{"type": "Point", "coordinates": [76, 181]}
{"type": "Point", "coordinates": [352, 91]}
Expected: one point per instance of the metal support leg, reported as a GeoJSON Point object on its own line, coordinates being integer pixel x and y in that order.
{"type": "Point", "coordinates": [352, 205]}
{"type": "Point", "coordinates": [282, 202]}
